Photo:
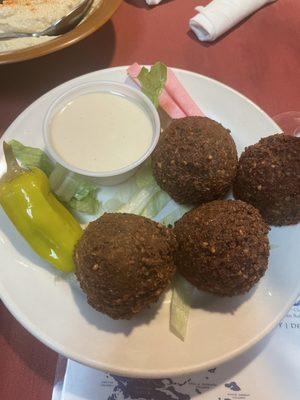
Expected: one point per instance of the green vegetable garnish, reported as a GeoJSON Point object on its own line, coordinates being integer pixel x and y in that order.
{"type": "Point", "coordinates": [73, 190]}
{"type": "Point", "coordinates": [112, 205]}
{"type": "Point", "coordinates": [140, 200]}
{"type": "Point", "coordinates": [140, 195]}
{"type": "Point", "coordinates": [175, 215]}
{"type": "Point", "coordinates": [31, 157]}
{"type": "Point", "coordinates": [144, 177]}
{"type": "Point", "coordinates": [157, 203]}
{"type": "Point", "coordinates": [153, 81]}
{"type": "Point", "coordinates": [70, 188]}
{"type": "Point", "coordinates": [88, 205]}
{"type": "Point", "coordinates": [180, 307]}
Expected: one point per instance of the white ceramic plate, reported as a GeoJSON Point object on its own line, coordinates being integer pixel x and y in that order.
{"type": "Point", "coordinates": [55, 310]}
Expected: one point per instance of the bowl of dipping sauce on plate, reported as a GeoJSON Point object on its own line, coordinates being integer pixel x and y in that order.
{"type": "Point", "coordinates": [102, 130]}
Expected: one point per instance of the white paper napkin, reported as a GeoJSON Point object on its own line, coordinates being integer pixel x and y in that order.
{"type": "Point", "coordinates": [153, 2]}
{"type": "Point", "coordinates": [221, 15]}
{"type": "Point", "coordinates": [268, 371]}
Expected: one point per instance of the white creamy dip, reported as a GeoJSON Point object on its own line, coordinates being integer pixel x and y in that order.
{"type": "Point", "coordinates": [100, 132]}
{"type": "Point", "coordinates": [32, 16]}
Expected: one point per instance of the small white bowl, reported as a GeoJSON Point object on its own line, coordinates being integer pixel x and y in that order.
{"type": "Point", "coordinates": [103, 177]}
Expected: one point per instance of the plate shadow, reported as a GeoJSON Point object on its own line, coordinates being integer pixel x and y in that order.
{"type": "Point", "coordinates": [217, 304]}
{"type": "Point", "coordinates": [104, 322]}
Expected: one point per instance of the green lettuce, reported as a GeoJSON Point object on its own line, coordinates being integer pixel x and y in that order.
{"type": "Point", "coordinates": [140, 195]}
{"type": "Point", "coordinates": [139, 201]}
{"type": "Point", "coordinates": [157, 203]}
{"type": "Point", "coordinates": [153, 81]}
{"type": "Point", "coordinates": [30, 157]}
{"type": "Point", "coordinates": [75, 191]}
{"type": "Point", "coordinates": [180, 307]}
{"type": "Point", "coordinates": [175, 215]}
{"type": "Point", "coordinates": [72, 189]}
{"type": "Point", "coordinates": [88, 204]}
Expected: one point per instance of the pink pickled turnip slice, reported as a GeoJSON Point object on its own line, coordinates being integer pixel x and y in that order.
{"type": "Point", "coordinates": [178, 93]}
{"type": "Point", "coordinates": [165, 100]}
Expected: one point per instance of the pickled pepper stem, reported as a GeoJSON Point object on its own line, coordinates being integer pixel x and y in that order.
{"type": "Point", "coordinates": [13, 168]}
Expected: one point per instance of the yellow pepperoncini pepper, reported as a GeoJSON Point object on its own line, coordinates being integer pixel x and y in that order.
{"type": "Point", "coordinates": [49, 228]}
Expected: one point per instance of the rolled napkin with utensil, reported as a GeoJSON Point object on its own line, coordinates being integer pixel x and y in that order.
{"type": "Point", "coordinates": [221, 15]}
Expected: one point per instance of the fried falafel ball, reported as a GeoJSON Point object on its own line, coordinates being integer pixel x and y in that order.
{"type": "Point", "coordinates": [223, 247]}
{"type": "Point", "coordinates": [268, 177]}
{"type": "Point", "coordinates": [124, 262]}
{"type": "Point", "coordinates": [195, 160]}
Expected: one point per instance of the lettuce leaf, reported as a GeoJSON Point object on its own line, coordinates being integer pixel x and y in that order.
{"type": "Point", "coordinates": [88, 204]}
{"type": "Point", "coordinates": [180, 307]}
{"type": "Point", "coordinates": [156, 204]}
{"type": "Point", "coordinates": [144, 177]}
{"type": "Point", "coordinates": [112, 205]}
{"type": "Point", "coordinates": [72, 189]}
{"type": "Point", "coordinates": [175, 215]}
{"type": "Point", "coordinates": [30, 157]}
{"type": "Point", "coordinates": [140, 201]}
{"type": "Point", "coordinates": [153, 81]}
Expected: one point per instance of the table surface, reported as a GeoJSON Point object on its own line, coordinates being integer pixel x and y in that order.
{"type": "Point", "coordinates": [260, 58]}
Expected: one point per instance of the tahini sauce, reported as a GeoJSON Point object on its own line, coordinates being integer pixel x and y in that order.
{"type": "Point", "coordinates": [100, 132]}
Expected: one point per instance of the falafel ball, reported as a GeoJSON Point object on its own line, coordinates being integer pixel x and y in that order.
{"type": "Point", "coordinates": [223, 247]}
{"type": "Point", "coordinates": [123, 263]}
{"type": "Point", "coordinates": [268, 177]}
{"type": "Point", "coordinates": [195, 160]}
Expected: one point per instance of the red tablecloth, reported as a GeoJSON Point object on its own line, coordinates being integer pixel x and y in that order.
{"type": "Point", "coordinates": [260, 58]}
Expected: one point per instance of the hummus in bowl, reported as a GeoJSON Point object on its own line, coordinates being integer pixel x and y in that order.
{"type": "Point", "coordinates": [32, 16]}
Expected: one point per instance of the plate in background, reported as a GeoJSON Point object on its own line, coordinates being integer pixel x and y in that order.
{"type": "Point", "coordinates": [93, 22]}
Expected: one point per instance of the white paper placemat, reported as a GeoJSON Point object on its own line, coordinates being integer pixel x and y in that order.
{"type": "Point", "coordinates": [270, 370]}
